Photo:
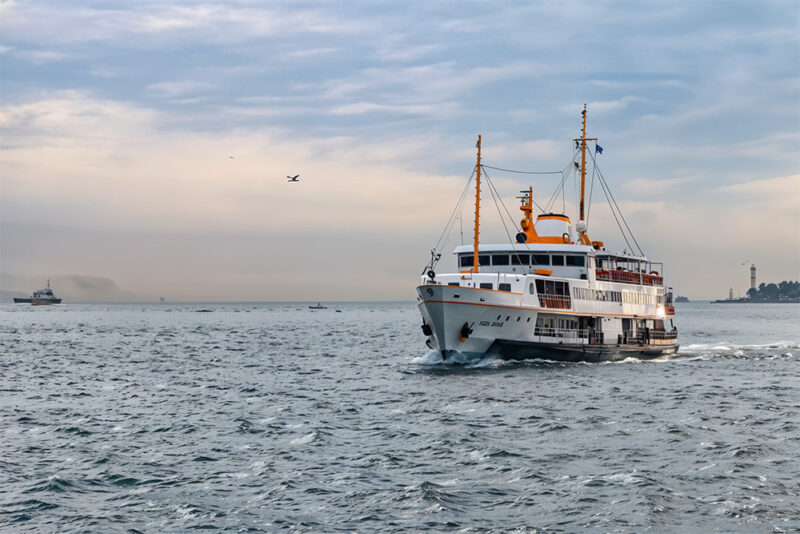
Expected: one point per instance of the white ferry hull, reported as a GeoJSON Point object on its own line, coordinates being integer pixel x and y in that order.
{"type": "Point", "coordinates": [474, 322]}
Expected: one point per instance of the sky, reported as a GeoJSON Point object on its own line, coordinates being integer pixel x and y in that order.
{"type": "Point", "coordinates": [145, 145]}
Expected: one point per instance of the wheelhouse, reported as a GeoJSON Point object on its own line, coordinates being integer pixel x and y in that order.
{"type": "Point", "coordinates": [571, 261]}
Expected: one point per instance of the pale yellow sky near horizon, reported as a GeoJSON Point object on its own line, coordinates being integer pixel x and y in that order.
{"type": "Point", "coordinates": [353, 228]}
{"type": "Point", "coordinates": [119, 122]}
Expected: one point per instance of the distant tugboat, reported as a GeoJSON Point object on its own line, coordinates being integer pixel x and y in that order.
{"type": "Point", "coordinates": [40, 297]}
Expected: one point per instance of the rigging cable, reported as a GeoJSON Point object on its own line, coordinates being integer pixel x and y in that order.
{"type": "Point", "coordinates": [602, 178]}
{"type": "Point", "coordinates": [497, 203]}
{"type": "Point", "coordinates": [625, 237]}
{"type": "Point", "coordinates": [510, 217]}
{"type": "Point", "coordinates": [591, 192]}
{"type": "Point", "coordinates": [564, 174]}
{"type": "Point", "coordinates": [522, 172]}
{"type": "Point", "coordinates": [452, 215]}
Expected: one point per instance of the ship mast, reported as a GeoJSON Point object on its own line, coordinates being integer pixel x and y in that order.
{"type": "Point", "coordinates": [477, 208]}
{"type": "Point", "coordinates": [583, 140]}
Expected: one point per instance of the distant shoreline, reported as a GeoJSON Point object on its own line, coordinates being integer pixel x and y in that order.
{"type": "Point", "coordinates": [759, 301]}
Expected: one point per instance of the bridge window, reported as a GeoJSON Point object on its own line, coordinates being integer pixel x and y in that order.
{"type": "Point", "coordinates": [541, 259]}
{"type": "Point", "coordinates": [483, 259]}
{"type": "Point", "coordinates": [466, 260]}
{"type": "Point", "coordinates": [575, 261]}
{"type": "Point", "coordinates": [499, 259]}
{"type": "Point", "coordinates": [552, 287]}
{"type": "Point", "coordinates": [520, 259]}
{"type": "Point", "coordinates": [558, 259]}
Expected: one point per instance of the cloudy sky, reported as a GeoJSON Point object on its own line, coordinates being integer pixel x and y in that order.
{"type": "Point", "coordinates": [148, 143]}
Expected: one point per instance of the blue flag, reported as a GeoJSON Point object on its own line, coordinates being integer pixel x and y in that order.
{"type": "Point", "coordinates": [598, 149]}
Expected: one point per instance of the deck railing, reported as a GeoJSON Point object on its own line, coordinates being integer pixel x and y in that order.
{"type": "Point", "coordinates": [560, 302]}
{"type": "Point", "coordinates": [652, 337]}
{"type": "Point", "coordinates": [629, 277]}
{"type": "Point", "coordinates": [581, 335]}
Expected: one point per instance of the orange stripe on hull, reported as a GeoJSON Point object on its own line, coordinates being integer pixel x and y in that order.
{"type": "Point", "coordinates": [545, 310]}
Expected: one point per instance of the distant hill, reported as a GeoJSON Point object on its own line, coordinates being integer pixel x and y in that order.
{"type": "Point", "coordinates": [69, 287]}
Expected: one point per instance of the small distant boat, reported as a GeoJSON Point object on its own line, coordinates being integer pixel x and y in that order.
{"type": "Point", "coordinates": [40, 297]}
{"type": "Point", "coordinates": [162, 299]}
{"type": "Point", "coordinates": [319, 306]}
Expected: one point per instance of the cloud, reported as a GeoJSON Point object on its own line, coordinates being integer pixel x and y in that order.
{"type": "Point", "coordinates": [780, 193]}
{"type": "Point", "coordinates": [221, 23]}
{"type": "Point", "coordinates": [175, 89]}
{"type": "Point", "coordinates": [101, 162]}
{"type": "Point", "coordinates": [360, 108]}
{"type": "Point", "coordinates": [430, 83]}
{"type": "Point", "coordinates": [602, 107]}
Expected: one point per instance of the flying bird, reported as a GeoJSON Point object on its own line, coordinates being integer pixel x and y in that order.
{"type": "Point", "coordinates": [295, 178]}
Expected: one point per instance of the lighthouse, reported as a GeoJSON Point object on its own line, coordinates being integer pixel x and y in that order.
{"type": "Point", "coordinates": [752, 276]}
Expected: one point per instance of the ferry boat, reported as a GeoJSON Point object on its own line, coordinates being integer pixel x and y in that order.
{"type": "Point", "coordinates": [40, 297]}
{"type": "Point", "coordinates": [554, 294]}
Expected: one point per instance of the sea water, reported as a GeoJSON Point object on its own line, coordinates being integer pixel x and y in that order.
{"type": "Point", "coordinates": [272, 417]}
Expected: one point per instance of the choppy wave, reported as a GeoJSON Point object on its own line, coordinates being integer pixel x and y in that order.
{"type": "Point", "coordinates": [265, 418]}
{"type": "Point", "coordinates": [692, 352]}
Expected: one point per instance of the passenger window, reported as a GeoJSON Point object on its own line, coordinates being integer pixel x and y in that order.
{"type": "Point", "coordinates": [453, 284]}
{"type": "Point", "coordinates": [530, 288]}
{"type": "Point", "coordinates": [498, 259]}
{"type": "Point", "coordinates": [487, 285]}
{"type": "Point", "coordinates": [558, 259]}
{"type": "Point", "coordinates": [520, 259]}
{"type": "Point", "coordinates": [504, 287]}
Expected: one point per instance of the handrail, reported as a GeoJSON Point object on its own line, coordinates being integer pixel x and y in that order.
{"type": "Point", "coordinates": [592, 336]}
{"type": "Point", "coordinates": [560, 302]}
{"type": "Point", "coordinates": [644, 336]}
{"type": "Point", "coordinates": [561, 332]}
{"type": "Point", "coordinates": [629, 277]}
{"type": "Point", "coordinates": [663, 335]}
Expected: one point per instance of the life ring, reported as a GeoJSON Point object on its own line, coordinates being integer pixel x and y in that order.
{"type": "Point", "coordinates": [565, 237]}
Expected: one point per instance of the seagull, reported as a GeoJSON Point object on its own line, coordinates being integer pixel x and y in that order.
{"type": "Point", "coordinates": [295, 178]}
